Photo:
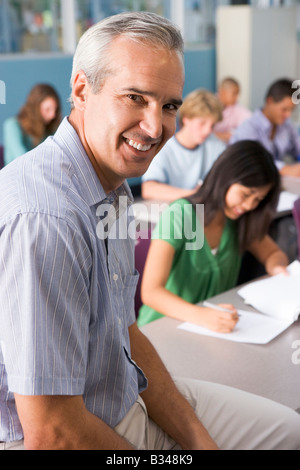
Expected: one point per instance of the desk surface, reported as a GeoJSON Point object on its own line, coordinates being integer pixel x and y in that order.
{"type": "Point", "coordinates": [265, 370]}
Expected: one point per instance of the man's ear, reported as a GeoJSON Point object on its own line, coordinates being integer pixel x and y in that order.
{"type": "Point", "coordinates": [80, 90]}
{"type": "Point", "coordinates": [270, 100]}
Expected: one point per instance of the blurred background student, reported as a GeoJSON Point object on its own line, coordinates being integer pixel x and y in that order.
{"type": "Point", "coordinates": [273, 128]}
{"type": "Point", "coordinates": [234, 114]}
{"type": "Point", "coordinates": [37, 119]}
{"type": "Point", "coordinates": [179, 168]}
{"type": "Point", "coordinates": [240, 196]}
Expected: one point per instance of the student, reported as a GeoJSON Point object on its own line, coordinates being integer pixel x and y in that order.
{"type": "Point", "coordinates": [234, 114]}
{"type": "Point", "coordinates": [240, 196]}
{"type": "Point", "coordinates": [73, 361]}
{"type": "Point", "coordinates": [38, 118]}
{"type": "Point", "coordinates": [183, 163]}
{"type": "Point", "coordinates": [271, 126]}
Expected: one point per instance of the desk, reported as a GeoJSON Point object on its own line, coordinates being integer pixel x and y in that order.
{"type": "Point", "coordinates": [291, 184]}
{"type": "Point", "coordinates": [265, 370]}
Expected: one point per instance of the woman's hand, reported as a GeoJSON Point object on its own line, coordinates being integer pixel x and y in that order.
{"type": "Point", "coordinates": [279, 270]}
{"type": "Point", "coordinates": [221, 319]}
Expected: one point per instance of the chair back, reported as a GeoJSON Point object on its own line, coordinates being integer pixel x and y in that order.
{"type": "Point", "coordinates": [141, 249]}
{"type": "Point", "coordinates": [296, 214]}
{"type": "Point", "coordinates": [1, 157]}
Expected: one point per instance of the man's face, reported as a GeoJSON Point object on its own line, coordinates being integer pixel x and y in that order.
{"type": "Point", "coordinates": [134, 115]}
{"type": "Point", "coordinates": [279, 112]}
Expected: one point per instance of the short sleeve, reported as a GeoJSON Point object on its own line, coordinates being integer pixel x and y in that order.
{"type": "Point", "coordinates": [158, 169]}
{"type": "Point", "coordinates": [181, 226]}
{"type": "Point", "coordinates": [44, 311]}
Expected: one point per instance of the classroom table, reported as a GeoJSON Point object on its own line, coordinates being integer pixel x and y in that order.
{"type": "Point", "coordinates": [268, 370]}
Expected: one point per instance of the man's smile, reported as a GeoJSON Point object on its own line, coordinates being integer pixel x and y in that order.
{"type": "Point", "coordinates": [138, 146]}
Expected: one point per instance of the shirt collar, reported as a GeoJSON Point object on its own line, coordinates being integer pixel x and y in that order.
{"type": "Point", "coordinates": [263, 121]}
{"type": "Point", "coordinates": [92, 191]}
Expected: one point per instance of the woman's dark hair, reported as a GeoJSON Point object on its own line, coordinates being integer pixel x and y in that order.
{"type": "Point", "coordinates": [247, 163]}
{"type": "Point", "coordinates": [30, 117]}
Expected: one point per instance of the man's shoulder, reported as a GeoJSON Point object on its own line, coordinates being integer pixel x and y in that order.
{"type": "Point", "coordinates": [249, 129]}
{"type": "Point", "coordinates": [36, 182]}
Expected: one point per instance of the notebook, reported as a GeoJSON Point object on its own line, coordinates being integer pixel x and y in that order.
{"type": "Point", "coordinates": [277, 301]}
{"type": "Point", "coordinates": [276, 296]}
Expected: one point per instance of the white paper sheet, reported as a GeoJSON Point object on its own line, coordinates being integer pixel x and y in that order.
{"type": "Point", "coordinates": [276, 296]}
{"type": "Point", "coordinates": [254, 328]}
{"type": "Point", "coordinates": [286, 201]}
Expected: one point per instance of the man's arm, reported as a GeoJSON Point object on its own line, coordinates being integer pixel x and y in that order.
{"type": "Point", "coordinates": [165, 405]}
{"type": "Point", "coordinates": [64, 423]}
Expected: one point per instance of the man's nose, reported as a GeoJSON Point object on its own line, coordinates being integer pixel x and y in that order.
{"type": "Point", "coordinates": [152, 123]}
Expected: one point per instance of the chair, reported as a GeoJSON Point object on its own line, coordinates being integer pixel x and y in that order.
{"type": "Point", "coordinates": [1, 157]}
{"type": "Point", "coordinates": [296, 214]}
{"type": "Point", "coordinates": [141, 250]}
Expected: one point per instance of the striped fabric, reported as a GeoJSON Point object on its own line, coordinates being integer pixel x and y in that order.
{"type": "Point", "coordinates": [67, 293]}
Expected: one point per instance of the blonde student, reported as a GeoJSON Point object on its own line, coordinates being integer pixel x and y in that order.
{"type": "Point", "coordinates": [179, 168]}
{"type": "Point", "coordinates": [240, 196]}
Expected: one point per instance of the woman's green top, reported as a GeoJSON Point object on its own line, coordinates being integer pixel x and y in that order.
{"type": "Point", "coordinates": [196, 274]}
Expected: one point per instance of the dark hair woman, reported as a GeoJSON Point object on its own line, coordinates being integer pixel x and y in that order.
{"type": "Point", "coordinates": [240, 196]}
{"type": "Point", "coordinates": [37, 119]}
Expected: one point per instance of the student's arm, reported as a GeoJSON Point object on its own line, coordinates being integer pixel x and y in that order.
{"type": "Point", "coordinates": [165, 405]}
{"type": "Point", "coordinates": [291, 170]}
{"type": "Point", "coordinates": [164, 192]}
{"type": "Point", "coordinates": [270, 255]}
{"type": "Point", "coordinates": [155, 295]}
{"type": "Point", "coordinates": [224, 136]}
{"type": "Point", "coordinates": [64, 423]}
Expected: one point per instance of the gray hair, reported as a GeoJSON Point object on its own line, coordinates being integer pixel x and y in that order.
{"type": "Point", "coordinates": [142, 27]}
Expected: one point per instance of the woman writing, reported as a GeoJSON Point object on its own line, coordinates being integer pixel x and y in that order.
{"type": "Point", "coordinates": [37, 119]}
{"type": "Point", "coordinates": [240, 196]}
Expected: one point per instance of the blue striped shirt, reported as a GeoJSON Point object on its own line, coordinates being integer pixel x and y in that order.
{"type": "Point", "coordinates": [67, 292]}
{"type": "Point", "coordinates": [258, 127]}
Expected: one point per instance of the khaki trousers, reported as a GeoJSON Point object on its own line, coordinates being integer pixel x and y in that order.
{"type": "Point", "coordinates": [236, 420]}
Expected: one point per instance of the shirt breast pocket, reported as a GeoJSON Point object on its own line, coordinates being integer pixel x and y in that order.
{"type": "Point", "coordinates": [129, 287]}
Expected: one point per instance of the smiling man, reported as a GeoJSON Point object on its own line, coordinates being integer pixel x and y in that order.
{"type": "Point", "coordinates": [75, 370]}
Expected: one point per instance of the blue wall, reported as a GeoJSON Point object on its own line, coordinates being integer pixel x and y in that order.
{"type": "Point", "coordinates": [200, 68]}
{"type": "Point", "coordinates": [21, 73]}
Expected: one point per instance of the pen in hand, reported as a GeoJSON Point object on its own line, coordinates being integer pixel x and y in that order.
{"type": "Point", "coordinates": [217, 307]}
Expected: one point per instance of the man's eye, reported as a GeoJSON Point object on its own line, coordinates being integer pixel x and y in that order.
{"type": "Point", "coordinates": [136, 98]}
{"type": "Point", "coordinates": [171, 107]}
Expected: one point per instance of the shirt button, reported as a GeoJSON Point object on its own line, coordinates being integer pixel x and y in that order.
{"type": "Point", "coordinates": [115, 277]}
